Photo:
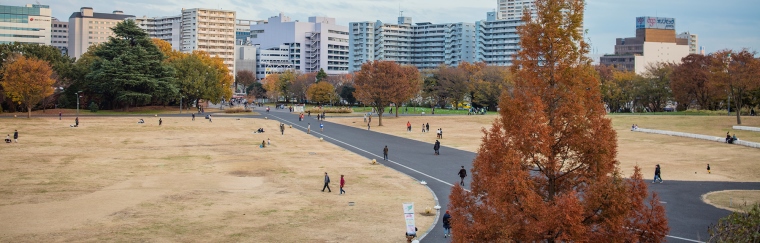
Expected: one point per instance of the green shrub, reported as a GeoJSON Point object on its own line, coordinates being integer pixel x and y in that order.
{"type": "Point", "coordinates": [93, 107]}
{"type": "Point", "coordinates": [737, 227]}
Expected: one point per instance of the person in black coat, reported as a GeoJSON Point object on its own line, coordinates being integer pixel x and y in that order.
{"type": "Point", "coordinates": [447, 224]}
{"type": "Point", "coordinates": [436, 147]}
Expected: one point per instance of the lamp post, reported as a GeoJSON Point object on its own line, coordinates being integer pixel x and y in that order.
{"type": "Point", "coordinates": [731, 89]}
{"type": "Point", "coordinates": [78, 92]}
{"type": "Point", "coordinates": [180, 104]}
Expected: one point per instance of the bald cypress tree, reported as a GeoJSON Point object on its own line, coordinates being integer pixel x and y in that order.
{"type": "Point", "coordinates": [546, 170]}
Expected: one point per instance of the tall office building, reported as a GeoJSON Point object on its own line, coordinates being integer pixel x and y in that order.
{"type": "Point", "coordinates": [317, 44]}
{"type": "Point", "coordinates": [209, 30]}
{"type": "Point", "coordinates": [25, 24]}
{"type": "Point", "coordinates": [692, 41]}
{"type": "Point", "coordinates": [164, 28]}
{"type": "Point", "coordinates": [87, 28]}
{"type": "Point", "coordinates": [59, 35]}
{"type": "Point", "coordinates": [425, 45]}
{"type": "Point", "coordinates": [655, 42]}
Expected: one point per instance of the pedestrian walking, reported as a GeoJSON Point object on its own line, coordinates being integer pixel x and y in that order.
{"type": "Point", "coordinates": [76, 122]}
{"type": "Point", "coordinates": [323, 116]}
{"type": "Point", "coordinates": [447, 224]}
{"type": "Point", "coordinates": [193, 116]}
{"type": "Point", "coordinates": [342, 183]}
{"type": "Point", "coordinates": [321, 127]}
{"type": "Point", "coordinates": [282, 128]}
{"type": "Point", "coordinates": [436, 147]}
{"type": "Point", "coordinates": [209, 118]}
{"type": "Point", "coordinates": [423, 127]}
{"type": "Point", "coordinates": [657, 175]}
{"type": "Point", "coordinates": [408, 126]}
{"type": "Point", "coordinates": [427, 127]}
{"type": "Point", "coordinates": [385, 153]}
{"type": "Point", "coordinates": [308, 113]}
{"type": "Point", "coordinates": [327, 183]}
{"type": "Point", "coordinates": [60, 115]}
{"type": "Point", "coordinates": [368, 126]}
{"type": "Point", "coordinates": [440, 133]}
{"type": "Point", "coordinates": [160, 121]}
{"type": "Point", "coordinates": [15, 136]}
{"type": "Point", "coordinates": [708, 168]}
{"type": "Point", "coordinates": [462, 174]}
{"type": "Point", "coordinates": [365, 117]}
{"type": "Point", "coordinates": [308, 129]}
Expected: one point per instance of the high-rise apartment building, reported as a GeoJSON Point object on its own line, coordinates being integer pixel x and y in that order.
{"type": "Point", "coordinates": [87, 28]}
{"type": "Point", "coordinates": [425, 45]}
{"type": "Point", "coordinates": [317, 44]}
{"type": "Point", "coordinates": [209, 30]}
{"type": "Point", "coordinates": [655, 42]}
{"type": "Point", "coordinates": [692, 41]}
{"type": "Point", "coordinates": [164, 28]}
{"type": "Point", "coordinates": [497, 40]}
{"type": "Point", "coordinates": [59, 35]}
{"type": "Point", "coordinates": [25, 24]}
{"type": "Point", "coordinates": [513, 9]}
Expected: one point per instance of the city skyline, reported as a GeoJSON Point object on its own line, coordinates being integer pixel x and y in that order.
{"type": "Point", "coordinates": [729, 25]}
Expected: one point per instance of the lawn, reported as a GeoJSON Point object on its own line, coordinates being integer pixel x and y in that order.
{"type": "Point", "coordinates": [680, 158]}
{"type": "Point", "coordinates": [112, 179]}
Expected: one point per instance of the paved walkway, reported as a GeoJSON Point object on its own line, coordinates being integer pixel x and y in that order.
{"type": "Point", "coordinates": [688, 216]}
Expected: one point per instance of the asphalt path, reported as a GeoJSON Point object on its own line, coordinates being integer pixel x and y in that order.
{"type": "Point", "coordinates": [688, 217]}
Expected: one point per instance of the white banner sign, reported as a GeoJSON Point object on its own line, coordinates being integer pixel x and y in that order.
{"type": "Point", "coordinates": [655, 23]}
{"type": "Point", "coordinates": [409, 217]}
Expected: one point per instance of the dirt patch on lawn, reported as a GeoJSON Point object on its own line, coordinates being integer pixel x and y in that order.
{"type": "Point", "coordinates": [112, 179]}
{"type": "Point", "coordinates": [680, 158]}
{"type": "Point", "coordinates": [734, 200]}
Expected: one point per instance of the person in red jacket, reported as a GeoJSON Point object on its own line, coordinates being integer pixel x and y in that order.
{"type": "Point", "coordinates": [408, 126]}
{"type": "Point", "coordinates": [342, 183]}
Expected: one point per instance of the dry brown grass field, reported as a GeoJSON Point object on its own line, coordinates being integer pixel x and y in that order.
{"type": "Point", "coordinates": [734, 200]}
{"type": "Point", "coordinates": [680, 158]}
{"type": "Point", "coordinates": [112, 179]}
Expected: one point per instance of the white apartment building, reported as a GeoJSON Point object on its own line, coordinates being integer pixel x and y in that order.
{"type": "Point", "coordinates": [655, 42]}
{"type": "Point", "coordinates": [317, 44]}
{"type": "Point", "coordinates": [25, 24]}
{"type": "Point", "coordinates": [692, 41]}
{"type": "Point", "coordinates": [275, 60]}
{"type": "Point", "coordinates": [209, 30]}
{"type": "Point", "coordinates": [59, 35]}
{"type": "Point", "coordinates": [87, 28]}
{"type": "Point", "coordinates": [513, 9]}
{"type": "Point", "coordinates": [436, 44]}
{"type": "Point", "coordinates": [497, 40]}
{"type": "Point", "coordinates": [164, 28]}
{"type": "Point", "coordinates": [424, 45]}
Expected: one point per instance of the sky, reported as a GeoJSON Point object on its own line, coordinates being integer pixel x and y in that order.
{"type": "Point", "coordinates": [728, 24]}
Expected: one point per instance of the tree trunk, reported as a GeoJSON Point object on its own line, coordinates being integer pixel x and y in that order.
{"type": "Point", "coordinates": [29, 111]}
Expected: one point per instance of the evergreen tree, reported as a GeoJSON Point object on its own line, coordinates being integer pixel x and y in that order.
{"type": "Point", "coordinates": [129, 70]}
{"type": "Point", "coordinates": [321, 75]}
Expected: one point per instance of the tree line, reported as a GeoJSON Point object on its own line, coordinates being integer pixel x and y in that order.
{"type": "Point", "coordinates": [128, 70]}
{"type": "Point", "coordinates": [700, 82]}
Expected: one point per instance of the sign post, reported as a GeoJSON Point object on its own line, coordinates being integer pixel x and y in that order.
{"type": "Point", "coordinates": [409, 217]}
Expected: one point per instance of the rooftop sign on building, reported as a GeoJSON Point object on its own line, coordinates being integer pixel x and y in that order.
{"type": "Point", "coordinates": [655, 23]}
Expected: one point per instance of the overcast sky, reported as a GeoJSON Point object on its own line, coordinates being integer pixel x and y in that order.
{"type": "Point", "coordinates": [732, 24]}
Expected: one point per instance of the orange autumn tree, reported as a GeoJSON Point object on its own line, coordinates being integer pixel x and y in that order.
{"type": "Point", "coordinates": [379, 83]}
{"type": "Point", "coordinates": [546, 170]}
{"type": "Point", "coordinates": [27, 81]}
